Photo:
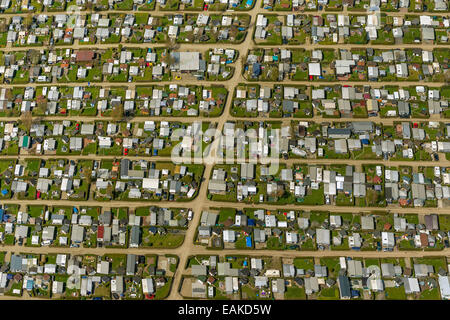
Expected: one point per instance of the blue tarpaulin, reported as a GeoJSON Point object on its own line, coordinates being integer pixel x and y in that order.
{"type": "Point", "coordinates": [4, 192]}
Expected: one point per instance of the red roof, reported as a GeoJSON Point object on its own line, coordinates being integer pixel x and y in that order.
{"type": "Point", "coordinates": [377, 179]}
{"type": "Point", "coordinates": [424, 239]}
{"type": "Point", "coordinates": [85, 55]}
{"type": "Point", "coordinates": [100, 232]}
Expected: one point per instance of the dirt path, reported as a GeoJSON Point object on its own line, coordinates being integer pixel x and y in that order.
{"type": "Point", "coordinates": [201, 47]}
{"type": "Point", "coordinates": [377, 120]}
{"type": "Point", "coordinates": [201, 202]}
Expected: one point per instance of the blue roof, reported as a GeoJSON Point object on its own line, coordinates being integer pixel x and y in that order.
{"type": "Point", "coordinates": [251, 222]}
{"type": "Point", "coordinates": [249, 2]}
{"type": "Point", "coordinates": [256, 69]}
{"type": "Point", "coordinates": [29, 284]}
{"type": "Point", "coordinates": [248, 241]}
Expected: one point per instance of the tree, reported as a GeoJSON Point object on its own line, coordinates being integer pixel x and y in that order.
{"type": "Point", "coordinates": [215, 34]}
{"type": "Point", "coordinates": [187, 179]}
{"type": "Point", "coordinates": [190, 37]}
{"type": "Point", "coordinates": [447, 76]}
{"type": "Point", "coordinates": [8, 94]}
{"type": "Point", "coordinates": [89, 6]}
{"type": "Point", "coordinates": [33, 56]}
{"type": "Point", "coordinates": [243, 60]}
{"type": "Point", "coordinates": [280, 192]}
{"type": "Point", "coordinates": [3, 26]}
{"type": "Point", "coordinates": [28, 20]}
{"type": "Point", "coordinates": [172, 44]}
{"type": "Point", "coordinates": [168, 58]}
{"type": "Point", "coordinates": [233, 31]}
{"type": "Point", "coordinates": [27, 119]}
{"type": "Point", "coordinates": [109, 191]}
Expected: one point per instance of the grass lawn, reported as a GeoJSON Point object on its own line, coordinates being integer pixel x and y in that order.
{"type": "Point", "coordinates": [295, 293]}
{"type": "Point", "coordinates": [103, 291]}
{"type": "Point", "coordinates": [332, 265]}
{"type": "Point", "coordinates": [248, 293]}
{"type": "Point", "coordinates": [33, 165]}
{"type": "Point", "coordinates": [163, 241]}
{"type": "Point", "coordinates": [436, 262]}
{"type": "Point", "coordinates": [5, 164]}
{"type": "Point", "coordinates": [36, 211]}
{"type": "Point", "coordinates": [226, 213]}
{"type": "Point", "coordinates": [316, 197]}
{"type": "Point", "coordinates": [318, 216]}
{"type": "Point", "coordinates": [395, 293]}
{"type": "Point", "coordinates": [371, 262]}
{"type": "Point", "coordinates": [142, 211]}
{"type": "Point", "coordinates": [444, 222]}
{"type": "Point", "coordinates": [329, 293]}
{"type": "Point", "coordinates": [163, 292]}
{"type": "Point", "coordinates": [118, 260]}
{"type": "Point", "coordinates": [275, 243]}
{"type": "Point", "coordinates": [304, 263]}
{"type": "Point", "coordinates": [432, 294]}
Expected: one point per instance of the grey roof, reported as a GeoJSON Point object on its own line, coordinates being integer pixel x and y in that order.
{"type": "Point", "coordinates": [131, 264]}
{"type": "Point", "coordinates": [344, 287]}
{"type": "Point", "coordinates": [323, 236]}
{"type": "Point", "coordinates": [198, 270]}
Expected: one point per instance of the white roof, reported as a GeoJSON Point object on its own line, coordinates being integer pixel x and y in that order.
{"type": "Point", "coordinates": [314, 69]}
